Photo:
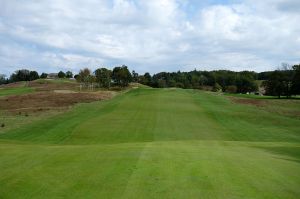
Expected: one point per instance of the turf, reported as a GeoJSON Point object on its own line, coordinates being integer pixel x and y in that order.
{"type": "Point", "coordinates": [155, 143]}
{"type": "Point", "coordinates": [15, 91]}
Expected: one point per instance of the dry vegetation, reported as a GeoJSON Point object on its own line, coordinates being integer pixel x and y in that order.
{"type": "Point", "coordinates": [50, 86]}
{"type": "Point", "coordinates": [41, 101]}
{"type": "Point", "coordinates": [49, 95]}
{"type": "Point", "coordinates": [286, 107]}
{"type": "Point", "coordinates": [246, 101]}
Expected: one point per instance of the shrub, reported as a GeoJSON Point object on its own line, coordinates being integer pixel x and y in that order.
{"type": "Point", "coordinates": [217, 88]}
{"type": "Point", "coordinates": [231, 89]}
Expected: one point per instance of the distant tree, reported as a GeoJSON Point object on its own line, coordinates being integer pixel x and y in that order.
{"type": "Point", "coordinates": [3, 80]}
{"type": "Point", "coordinates": [44, 75]}
{"type": "Point", "coordinates": [61, 74]}
{"type": "Point", "coordinates": [203, 80]}
{"type": "Point", "coordinates": [69, 74]}
{"type": "Point", "coordinates": [231, 89]}
{"type": "Point", "coordinates": [161, 83]}
{"type": "Point", "coordinates": [195, 80]}
{"type": "Point", "coordinates": [103, 77]}
{"type": "Point", "coordinates": [91, 79]}
{"type": "Point", "coordinates": [279, 84]}
{"type": "Point", "coordinates": [272, 85]}
{"type": "Point", "coordinates": [20, 75]}
{"type": "Point", "coordinates": [217, 88]}
{"type": "Point", "coordinates": [285, 67]}
{"type": "Point", "coordinates": [84, 76]}
{"type": "Point", "coordinates": [33, 75]}
{"type": "Point", "coordinates": [264, 75]}
{"type": "Point", "coordinates": [245, 82]}
{"type": "Point", "coordinates": [147, 79]}
{"type": "Point", "coordinates": [296, 80]}
{"type": "Point", "coordinates": [171, 83]}
{"type": "Point", "coordinates": [13, 78]}
{"type": "Point", "coordinates": [135, 76]}
{"type": "Point", "coordinates": [161, 80]}
{"type": "Point", "coordinates": [121, 76]}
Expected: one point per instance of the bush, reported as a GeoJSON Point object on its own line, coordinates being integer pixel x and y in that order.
{"type": "Point", "coordinates": [2, 125]}
{"type": "Point", "coordinates": [206, 88]}
{"type": "Point", "coordinates": [217, 88]}
{"type": "Point", "coordinates": [231, 89]}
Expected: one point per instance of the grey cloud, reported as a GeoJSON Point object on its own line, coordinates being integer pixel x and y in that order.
{"type": "Point", "coordinates": [148, 35]}
{"type": "Point", "coordinates": [289, 6]}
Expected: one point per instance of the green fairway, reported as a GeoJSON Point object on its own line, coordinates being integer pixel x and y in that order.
{"type": "Point", "coordinates": [156, 143]}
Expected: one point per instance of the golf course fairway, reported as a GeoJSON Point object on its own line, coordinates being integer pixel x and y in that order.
{"type": "Point", "coordinates": [155, 143]}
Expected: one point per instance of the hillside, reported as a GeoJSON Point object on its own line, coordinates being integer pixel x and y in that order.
{"type": "Point", "coordinates": [157, 143]}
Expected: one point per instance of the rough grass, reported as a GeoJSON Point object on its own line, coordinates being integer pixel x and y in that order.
{"type": "Point", "coordinates": [154, 143]}
{"type": "Point", "coordinates": [39, 101]}
{"type": "Point", "coordinates": [56, 81]}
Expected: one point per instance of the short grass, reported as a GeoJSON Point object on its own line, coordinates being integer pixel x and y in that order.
{"type": "Point", "coordinates": [154, 143]}
{"type": "Point", "coordinates": [15, 91]}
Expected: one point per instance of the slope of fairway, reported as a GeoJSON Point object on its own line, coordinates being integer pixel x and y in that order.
{"type": "Point", "coordinates": [156, 115]}
{"type": "Point", "coordinates": [154, 143]}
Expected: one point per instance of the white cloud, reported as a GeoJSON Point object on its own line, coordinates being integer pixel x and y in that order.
{"type": "Point", "coordinates": [148, 35]}
{"type": "Point", "coordinates": [221, 21]}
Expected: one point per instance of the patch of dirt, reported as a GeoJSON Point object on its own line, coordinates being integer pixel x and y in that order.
{"type": "Point", "coordinates": [253, 102]}
{"type": "Point", "coordinates": [43, 101]}
{"type": "Point", "coordinates": [43, 85]}
{"type": "Point", "coordinates": [64, 91]}
{"type": "Point", "coordinates": [49, 86]}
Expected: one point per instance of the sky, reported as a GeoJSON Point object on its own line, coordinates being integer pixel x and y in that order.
{"type": "Point", "coordinates": [148, 35]}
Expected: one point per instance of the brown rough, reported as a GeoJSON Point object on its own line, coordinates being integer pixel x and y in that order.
{"type": "Point", "coordinates": [49, 86]}
{"type": "Point", "coordinates": [41, 101]}
{"type": "Point", "coordinates": [254, 102]}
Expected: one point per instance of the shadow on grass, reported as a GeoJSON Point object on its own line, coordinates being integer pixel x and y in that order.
{"type": "Point", "coordinates": [289, 153]}
{"type": "Point", "coordinates": [264, 97]}
{"type": "Point", "coordinates": [282, 98]}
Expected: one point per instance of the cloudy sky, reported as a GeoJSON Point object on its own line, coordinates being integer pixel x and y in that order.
{"type": "Point", "coordinates": [148, 35]}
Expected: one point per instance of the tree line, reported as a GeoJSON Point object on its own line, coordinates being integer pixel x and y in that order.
{"type": "Point", "coordinates": [101, 77]}
{"type": "Point", "coordinates": [221, 80]}
{"type": "Point", "coordinates": [105, 78]}
{"type": "Point", "coordinates": [281, 82]}
{"type": "Point", "coordinates": [284, 82]}
{"type": "Point", "coordinates": [27, 75]}
{"type": "Point", "coordinates": [20, 75]}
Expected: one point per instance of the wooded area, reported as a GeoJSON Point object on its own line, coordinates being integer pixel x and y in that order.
{"type": "Point", "coordinates": [284, 82]}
